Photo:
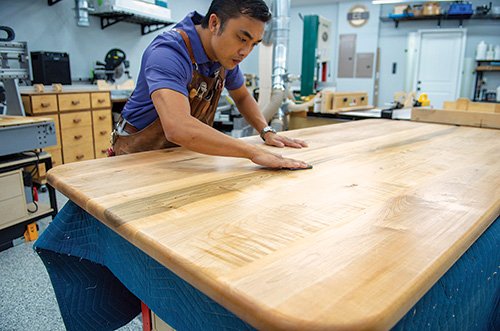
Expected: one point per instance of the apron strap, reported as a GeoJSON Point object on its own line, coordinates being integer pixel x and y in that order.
{"type": "Point", "coordinates": [188, 44]}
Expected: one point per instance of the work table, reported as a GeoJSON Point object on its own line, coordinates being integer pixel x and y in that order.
{"type": "Point", "coordinates": [353, 243]}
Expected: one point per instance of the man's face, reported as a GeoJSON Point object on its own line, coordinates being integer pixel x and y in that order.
{"type": "Point", "coordinates": [237, 40]}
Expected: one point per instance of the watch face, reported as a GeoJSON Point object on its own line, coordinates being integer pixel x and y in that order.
{"type": "Point", "coordinates": [266, 130]}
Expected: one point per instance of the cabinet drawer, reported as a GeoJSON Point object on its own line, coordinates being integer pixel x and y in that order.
{"type": "Point", "coordinates": [102, 119]}
{"type": "Point", "coordinates": [102, 136]}
{"type": "Point", "coordinates": [80, 152]}
{"type": "Point", "coordinates": [101, 148]}
{"type": "Point", "coordinates": [74, 101]}
{"type": "Point", "coordinates": [100, 100]}
{"type": "Point", "coordinates": [75, 120]}
{"type": "Point", "coordinates": [39, 104]}
{"type": "Point", "coordinates": [77, 136]}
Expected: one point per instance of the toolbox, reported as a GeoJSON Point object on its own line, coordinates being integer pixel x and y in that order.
{"type": "Point", "coordinates": [460, 9]}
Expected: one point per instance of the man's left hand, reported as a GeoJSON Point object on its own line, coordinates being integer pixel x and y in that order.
{"type": "Point", "coordinates": [274, 139]}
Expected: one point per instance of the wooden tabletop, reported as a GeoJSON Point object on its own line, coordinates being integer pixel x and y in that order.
{"type": "Point", "coordinates": [9, 121]}
{"type": "Point", "coordinates": [351, 244]}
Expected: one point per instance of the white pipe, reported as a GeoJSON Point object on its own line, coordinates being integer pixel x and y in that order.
{"type": "Point", "coordinates": [280, 35]}
{"type": "Point", "coordinates": [292, 106]}
{"type": "Point", "coordinates": [274, 104]}
{"type": "Point", "coordinates": [265, 72]}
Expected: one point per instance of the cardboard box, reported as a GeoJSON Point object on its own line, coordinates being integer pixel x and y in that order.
{"type": "Point", "coordinates": [401, 9]}
{"type": "Point", "coordinates": [12, 198]}
{"type": "Point", "coordinates": [431, 8]}
{"type": "Point", "coordinates": [336, 102]}
{"type": "Point", "coordinates": [417, 10]}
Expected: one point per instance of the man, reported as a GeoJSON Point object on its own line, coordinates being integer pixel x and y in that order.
{"type": "Point", "coordinates": [183, 72]}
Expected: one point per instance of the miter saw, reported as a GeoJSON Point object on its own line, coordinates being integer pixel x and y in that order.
{"type": "Point", "coordinates": [114, 67]}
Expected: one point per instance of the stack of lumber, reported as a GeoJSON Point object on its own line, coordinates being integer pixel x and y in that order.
{"type": "Point", "coordinates": [461, 112]}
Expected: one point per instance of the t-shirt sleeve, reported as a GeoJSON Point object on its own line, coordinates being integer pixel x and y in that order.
{"type": "Point", "coordinates": [167, 68]}
{"type": "Point", "coordinates": [234, 79]}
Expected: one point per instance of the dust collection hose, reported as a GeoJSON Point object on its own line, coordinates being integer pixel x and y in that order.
{"type": "Point", "coordinates": [270, 109]}
{"type": "Point", "coordinates": [10, 33]}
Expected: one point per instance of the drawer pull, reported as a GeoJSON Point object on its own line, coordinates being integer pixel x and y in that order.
{"type": "Point", "coordinates": [80, 156]}
{"type": "Point", "coordinates": [103, 133]}
{"type": "Point", "coordinates": [45, 104]}
{"type": "Point", "coordinates": [78, 136]}
{"type": "Point", "coordinates": [77, 120]}
{"type": "Point", "coordinates": [103, 117]}
{"type": "Point", "coordinates": [75, 102]}
{"type": "Point", "coordinates": [101, 100]}
{"type": "Point", "coordinates": [104, 151]}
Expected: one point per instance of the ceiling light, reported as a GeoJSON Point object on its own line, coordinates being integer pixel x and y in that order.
{"type": "Point", "coordinates": [383, 2]}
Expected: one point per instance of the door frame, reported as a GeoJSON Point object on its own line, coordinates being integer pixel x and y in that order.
{"type": "Point", "coordinates": [461, 59]}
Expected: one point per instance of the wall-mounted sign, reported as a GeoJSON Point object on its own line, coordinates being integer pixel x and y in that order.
{"type": "Point", "coordinates": [358, 16]}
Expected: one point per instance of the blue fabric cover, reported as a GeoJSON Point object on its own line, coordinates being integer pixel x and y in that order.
{"type": "Point", "coordinates": [91, 295]}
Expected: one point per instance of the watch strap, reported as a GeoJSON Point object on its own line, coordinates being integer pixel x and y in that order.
{"type": "Point", "coordinates": [266, 130]}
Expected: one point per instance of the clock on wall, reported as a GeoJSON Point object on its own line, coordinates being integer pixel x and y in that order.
{"type": "Point", "coordinates": [358, 16]}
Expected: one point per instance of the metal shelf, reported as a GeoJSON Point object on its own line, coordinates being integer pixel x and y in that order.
{"type": "Point", "coordinates": [481, 67]}
{"type": "Point", "coordinates": [52, 2]}
{"type": "Point", "coordinates": [439, 18]}
{"type": "Point", "coordinates": [148, 25]}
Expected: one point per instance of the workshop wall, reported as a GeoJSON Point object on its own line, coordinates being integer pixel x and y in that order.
{"type": "Point", "coordinates": [53, 28]}
{"type": "Point", "coordinates": [393, 48]}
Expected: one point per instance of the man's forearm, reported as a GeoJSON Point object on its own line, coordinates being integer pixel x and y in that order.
{"type": "Point", "coordinates": [201, 138]}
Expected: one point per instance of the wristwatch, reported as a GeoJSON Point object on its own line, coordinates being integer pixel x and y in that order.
{"type": "Point", "coordinates": [266, 130]}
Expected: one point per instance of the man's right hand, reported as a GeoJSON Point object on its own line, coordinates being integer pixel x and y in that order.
{"type": "Point", "coordinates": [183, 129]}
{"type": "Point", "coordinates": [272, 160]}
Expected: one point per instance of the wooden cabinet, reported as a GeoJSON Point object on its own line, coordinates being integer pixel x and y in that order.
{"type": "Point", "coordinates": [83, 122]}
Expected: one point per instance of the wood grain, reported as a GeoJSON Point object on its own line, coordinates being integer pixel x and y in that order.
{"type": "Point", "coordinates": [353, 243]}
{"type": "Point", "coordinates": [458, 117]}
{"type": "Point", "coordinates": [9, 120]}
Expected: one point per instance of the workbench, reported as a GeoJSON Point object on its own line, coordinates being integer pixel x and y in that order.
{"type": "Point", "coordinates": [367, 239]}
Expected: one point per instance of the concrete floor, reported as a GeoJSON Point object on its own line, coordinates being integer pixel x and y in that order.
{"type": "Point", "coordinates": [27, 300]}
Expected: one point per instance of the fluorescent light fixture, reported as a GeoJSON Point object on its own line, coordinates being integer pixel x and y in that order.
{"type": "Point", "coordinates": [384, 2]}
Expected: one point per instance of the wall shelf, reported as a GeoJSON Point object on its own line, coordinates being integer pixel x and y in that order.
{"type": "Point", "coordinates": [481, 67]}
{"type": "Point", "coordinates": [439, 18]}
{"type": "Point", "coordinates": [52, 2]}
{"type": "Point", "coordinates": [148, 25]}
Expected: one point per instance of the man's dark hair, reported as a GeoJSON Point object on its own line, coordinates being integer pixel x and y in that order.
{"type": "Point", "coordinates": [228, 9]}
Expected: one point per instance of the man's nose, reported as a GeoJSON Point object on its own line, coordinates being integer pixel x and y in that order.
{"type": "Point", "coordinates": [245, 51]}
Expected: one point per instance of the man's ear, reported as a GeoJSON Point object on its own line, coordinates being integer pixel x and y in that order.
{"type": "Point", "coordinates": [214, 24]}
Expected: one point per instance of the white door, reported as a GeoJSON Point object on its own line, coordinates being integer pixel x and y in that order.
{"type": "Point", "coordinates": [440, 59]}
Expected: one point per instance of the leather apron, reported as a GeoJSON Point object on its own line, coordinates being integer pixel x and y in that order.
{"type": "Point", "coordinates": [204, 94]}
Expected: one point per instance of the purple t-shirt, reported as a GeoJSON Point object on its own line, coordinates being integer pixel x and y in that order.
{"type": "Point", "coordinates": [166, 64]}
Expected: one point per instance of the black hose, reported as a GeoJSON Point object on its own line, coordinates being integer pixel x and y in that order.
{"type": "Point", "coordinates": [10, 33]}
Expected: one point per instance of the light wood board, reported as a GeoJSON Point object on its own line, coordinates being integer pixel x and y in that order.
{"type": "Point", "coordinates": [458, 117]}
{"type": "Point", "coordinates": [8, 120]}
{"type": "Point", "coordinates": [353, 243]}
